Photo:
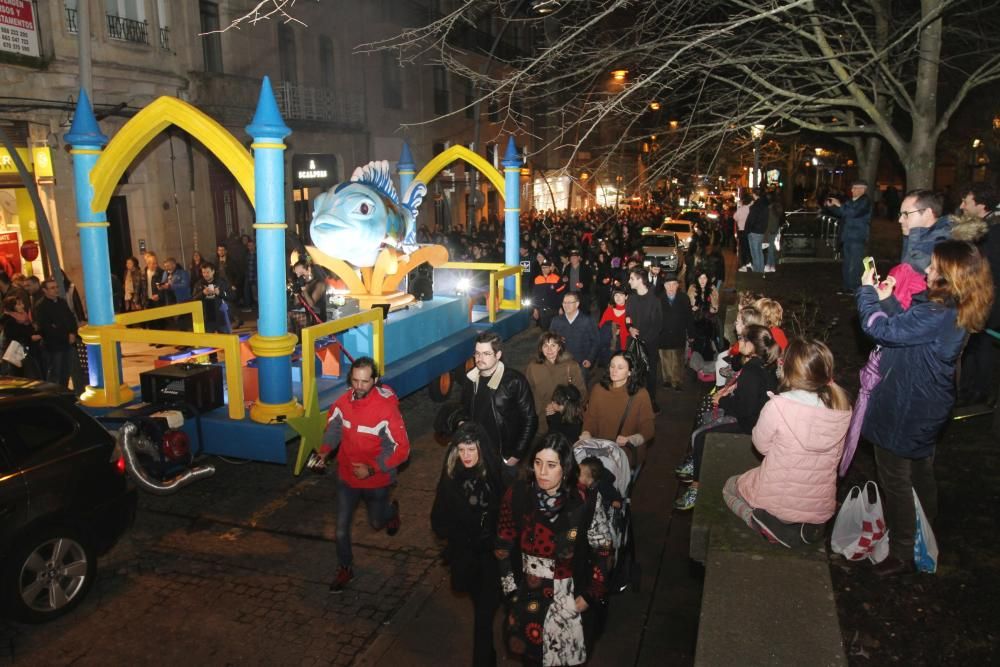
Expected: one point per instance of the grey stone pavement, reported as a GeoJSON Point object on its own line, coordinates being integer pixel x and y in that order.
{"type": "Point", "coordinates": [233, 570]}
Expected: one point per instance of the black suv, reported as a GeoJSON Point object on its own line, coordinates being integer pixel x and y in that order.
{"type": "Point", "coordinates": [65, 499]}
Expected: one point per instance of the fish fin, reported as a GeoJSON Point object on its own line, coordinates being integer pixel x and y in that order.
{"type": "Point", "coordinates": [412, 199]}
{"type": "Point", "coordinates": [414, 196]}
{"type": "Point", "coordinates": [376, 175]}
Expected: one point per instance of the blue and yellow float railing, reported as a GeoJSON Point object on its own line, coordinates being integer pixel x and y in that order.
{"type": "Point", "coordinates": [498, 273]}
{"type": "Point", "coordinates": [310, 426]}
{"type": "Point", "coordinates": [108, 337]}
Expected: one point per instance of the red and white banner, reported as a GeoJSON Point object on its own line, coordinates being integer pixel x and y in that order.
{"type": "Point", "coordinates": [18, 27]}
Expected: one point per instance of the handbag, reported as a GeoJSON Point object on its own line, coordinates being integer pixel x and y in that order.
{"type": "Point", "coordinates": [859, 530]}
{"type": "Point", "coordinates": [15, 353]}
{"type": "Point", "coordinates": [640, 359]}
{"type": "Point", "coordinates": [925, 547]}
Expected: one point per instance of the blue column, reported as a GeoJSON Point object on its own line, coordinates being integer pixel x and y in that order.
{"type": "Point", "coordinates": [512, 212]}
{"type": "Point", "coordinates": [88, 142]}
{"type": "Point", "coordinates": [407, 168]}
{"type": "Point", "coordinates": [273, 345]}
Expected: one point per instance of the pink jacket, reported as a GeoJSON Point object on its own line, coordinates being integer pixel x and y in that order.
{"type": "Point", "coordinates": [802, 445]}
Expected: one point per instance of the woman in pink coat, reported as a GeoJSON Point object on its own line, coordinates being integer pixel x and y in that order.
{"type": "Point", "coordinates": [792, 493]}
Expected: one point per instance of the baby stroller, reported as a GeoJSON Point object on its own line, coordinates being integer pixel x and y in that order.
{"type": "Point", "coordinates": [625, 572]}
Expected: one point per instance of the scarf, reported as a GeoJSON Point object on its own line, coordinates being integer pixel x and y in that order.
{"type": "Point", "coordinates": [549, 506]}
{"type": "Point", "coordinates": [20, 318]}
{"type": "Point", "coordinates": [615, 316]}
{"type": "Point", "coordinates": [474, 488]}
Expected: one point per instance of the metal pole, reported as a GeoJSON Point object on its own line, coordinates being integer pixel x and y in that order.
{"type": "Point", "coordinates": [756, 163]}
{"type": "Point", "coordinates": [83, 46]}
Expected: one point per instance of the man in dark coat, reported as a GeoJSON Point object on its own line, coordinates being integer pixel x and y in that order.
{"type": "Point", "coordinates": [58, 326]}
{"type": "Point", "coordinates": [499, 399]}
{"type": "Point", "coordinates": [578, 279]}
{"type": "Point", "coordinates": [578, 331]}
{"type": "Point", "coordinates": [674, 331]}
{"type": "Point", "coordinates": [855, 219]}
{"type": "Point", "coordinates": [644, 317]}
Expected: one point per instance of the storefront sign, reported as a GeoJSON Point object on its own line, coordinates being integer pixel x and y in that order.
{"type": "Point", "coordinates": [10, 257]}
{"type": "Point", "coordinates": [314, 170]}
{"type": "Point", "coordinates": [18, 28]}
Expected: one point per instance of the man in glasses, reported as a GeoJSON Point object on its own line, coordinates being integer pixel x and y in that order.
{"type": "Point", "coordinates": [855, 219]}
{"type": "Point", "coordinates": [499, 399]}
{"type": "Point", "coordinates": [923, 227]}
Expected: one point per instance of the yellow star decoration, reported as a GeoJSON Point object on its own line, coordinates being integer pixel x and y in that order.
{"type": "Point", "coordinates": [310, 427]}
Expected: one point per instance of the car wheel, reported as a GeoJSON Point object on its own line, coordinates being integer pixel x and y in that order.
{"type": "Point", "coordinates": [49, 573]}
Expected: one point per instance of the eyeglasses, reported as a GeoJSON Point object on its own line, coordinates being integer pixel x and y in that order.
{"type": "Point", "coordinates": [480, 355]}
{"type": "Point", "coordinates": [903, 214]}
{"type": "Point", "coordinates": [570, 301]}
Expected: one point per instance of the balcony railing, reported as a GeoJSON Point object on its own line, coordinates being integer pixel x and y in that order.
{"type": "Point", "coordinates": [298, 102]}
{"type": "Point", "coordinates": [71, 24]}
{"type": "Point", "coordinates": [127, 30]}
{"type": "Point", "coordinates": [165, 38]}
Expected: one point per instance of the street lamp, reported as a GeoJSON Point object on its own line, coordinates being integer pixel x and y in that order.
{"type": "Point", "coordinates": [757, 132]}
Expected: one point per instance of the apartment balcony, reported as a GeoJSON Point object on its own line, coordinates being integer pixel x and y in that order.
{"type": "Point", "coordinates": [127, 30]}
{"type": "Point", "coordinates": [232, 100]}
{"type": "Point", "coordinates": [324, 105]}
{"type": "Point", "coordinates": [71, 21]}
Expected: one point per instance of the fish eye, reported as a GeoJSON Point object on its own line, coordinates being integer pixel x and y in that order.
{"type": "Point", "coordinates": [363, 208]}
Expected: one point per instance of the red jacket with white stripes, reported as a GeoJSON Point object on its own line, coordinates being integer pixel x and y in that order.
{"type": "Point", "coordinates": [369, 431]}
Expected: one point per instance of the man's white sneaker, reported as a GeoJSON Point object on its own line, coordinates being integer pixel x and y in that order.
{"type": "Point", "coordinates": [769, 269]}
{"type": "Point", "coordinates": [744, 269]}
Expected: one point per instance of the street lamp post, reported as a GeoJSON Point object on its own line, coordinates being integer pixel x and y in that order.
{"type": "Point", "coordinates": [757, 132]}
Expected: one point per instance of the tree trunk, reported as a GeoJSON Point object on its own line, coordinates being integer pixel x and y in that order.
{"type": "Point", "coordinates": [868, 159]}
{"type": "Point", "coordinates": [919, 163]}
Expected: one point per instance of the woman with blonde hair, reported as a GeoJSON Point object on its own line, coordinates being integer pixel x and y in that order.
{"type": "Point", "coordinates": [913, 400]}
{"type": "Point", "coordinates": [801, 430]}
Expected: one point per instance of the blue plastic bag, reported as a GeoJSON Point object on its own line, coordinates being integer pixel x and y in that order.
{"type": "Point", "coordinates": [925, 548]}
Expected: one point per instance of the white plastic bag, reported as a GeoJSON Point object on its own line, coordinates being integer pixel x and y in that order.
{"type": "Point", "coordinates": [925, 548]}
{"type": "Point", "coordinates": [15, 353]}
{"type": "Point", "coordinates": [859, 531]}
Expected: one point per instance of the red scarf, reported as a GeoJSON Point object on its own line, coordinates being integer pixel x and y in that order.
{"type": "Point", "coordinates": [612, 315]}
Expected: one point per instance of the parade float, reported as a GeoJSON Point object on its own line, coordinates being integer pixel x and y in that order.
{"type": "Point", "coordinates": [272, 387]}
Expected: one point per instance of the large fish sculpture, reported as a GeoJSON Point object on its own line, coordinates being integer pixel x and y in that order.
{"type": "Point", "coordinates": [353, 221]}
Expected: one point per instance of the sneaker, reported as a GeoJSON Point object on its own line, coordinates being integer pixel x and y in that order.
{"type": "Point", "coordinates": [769, 269]}
{"type": "Point", "coordinates": [393, 524]}
{"type": "Point", "coordinates": [685, 471]}
{"type": "Point", "coordinates": [344, 576]}
{"type": "Point", "coordinates": [775, 530]}
{"type": "Point", "coordinates": [316, 463]}
{"type": "Point", "coordinates": [811, 533]}
{"type": "Point", "coordinates": [744, 269]}
{"type": "Point", "coordinates": [687, 501]}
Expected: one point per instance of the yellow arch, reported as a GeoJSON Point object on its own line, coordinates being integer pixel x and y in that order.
{"type": "Point", "coordinates": [143, 128]}
{"type": "Point", "coordinates": [458, 152]}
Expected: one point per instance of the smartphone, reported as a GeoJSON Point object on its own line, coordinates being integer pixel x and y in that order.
{"type": "Point", "coordinates": [869, 264]}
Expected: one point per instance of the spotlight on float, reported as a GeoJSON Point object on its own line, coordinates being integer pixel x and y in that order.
{"type": "Point", "coordinates": [462, 286]}
{"type": "Point", "coordinates": [526, 303]}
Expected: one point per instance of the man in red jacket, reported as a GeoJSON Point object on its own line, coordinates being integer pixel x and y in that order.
{"type": "Point", "coordinates": [366, 425]}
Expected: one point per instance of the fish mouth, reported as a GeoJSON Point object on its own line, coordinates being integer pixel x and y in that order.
{"type": "Point", "coordinates": [330, 224]}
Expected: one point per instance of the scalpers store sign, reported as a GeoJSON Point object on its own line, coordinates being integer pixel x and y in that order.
{"type": "Point", "coordinates": [314, 170]}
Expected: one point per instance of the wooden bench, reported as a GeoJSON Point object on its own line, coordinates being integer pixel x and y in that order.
{"type": "Point", "coordinates": [762, 604]}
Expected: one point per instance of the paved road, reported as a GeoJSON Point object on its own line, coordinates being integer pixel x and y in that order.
{"type": "Point", "coordinates": [234, 571]}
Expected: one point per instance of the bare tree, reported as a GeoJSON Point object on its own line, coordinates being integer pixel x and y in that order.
{"type": "Point", "coordinates": [866, 73]}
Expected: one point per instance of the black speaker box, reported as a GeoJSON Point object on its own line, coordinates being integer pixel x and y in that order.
{"type": "Point", "coordinates": [197, 385]}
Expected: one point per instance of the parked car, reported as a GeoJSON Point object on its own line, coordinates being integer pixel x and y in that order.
{"type": "Point", "coordinates": [65, 499]}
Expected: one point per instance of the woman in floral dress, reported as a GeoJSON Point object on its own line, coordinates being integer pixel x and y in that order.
{"type": "Point", "coordinates": [553, 545]}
